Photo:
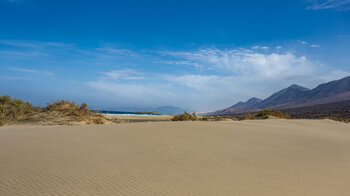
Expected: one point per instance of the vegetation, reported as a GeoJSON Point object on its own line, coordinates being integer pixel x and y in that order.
{"type": "Point", "coordinates": [66, 112]}
{"type": "Point", "coordinates": [185, 117]}
{"type": "Point", "coordinates": [264, 114]}
{"type": "Point", "coordinates": [340, 110]}
{"type": "Point", "coordinates": [57, 113]}
{"type": "Point", "coordinates": [12, 110]}
{"type": "Point", "coordinates": [215, 118]}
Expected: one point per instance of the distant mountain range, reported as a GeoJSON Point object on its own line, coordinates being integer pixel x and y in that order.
{"type": "Point", "coordinates": [293, 97]}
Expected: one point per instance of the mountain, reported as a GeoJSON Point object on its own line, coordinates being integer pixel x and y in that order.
{"type": "Point", "coordinates": [296, 96]}
{"type": "Point", "coordinates": [250, 102]}
{"type": "Point", "coordinates": [237, 107]}
{"type": "Point", "coordinates": [284, 97]}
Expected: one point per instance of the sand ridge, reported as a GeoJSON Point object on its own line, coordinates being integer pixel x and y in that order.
{"type": "Point", "coordinates": [261, 157]}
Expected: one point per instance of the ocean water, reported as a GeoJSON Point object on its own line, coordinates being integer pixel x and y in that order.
{"type": "Point", "coordinates": [127, 113]}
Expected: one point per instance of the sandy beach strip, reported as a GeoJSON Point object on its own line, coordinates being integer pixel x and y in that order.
{"type": "Point", "coordinates": [138, 118]}
{"type": "Point", "coordinates": [260, 157]}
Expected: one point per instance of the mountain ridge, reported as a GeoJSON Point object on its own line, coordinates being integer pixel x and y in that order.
{"type": "Point", "coordinates": [296, 96]}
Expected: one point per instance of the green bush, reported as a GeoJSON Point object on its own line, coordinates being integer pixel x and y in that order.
{"type": "Point", "coordinates": [185, 117]}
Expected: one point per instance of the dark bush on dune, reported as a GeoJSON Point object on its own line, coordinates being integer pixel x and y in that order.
{"type": "Point", "coordinates": [185, 117]}
{"type": "Point", "coordinates": [264, 114]}
{"type": "Point", "coordinates": [12, 110]}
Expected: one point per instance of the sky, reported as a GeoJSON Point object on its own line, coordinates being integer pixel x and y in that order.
{"type": "Point", "coordinates": [196, 54]}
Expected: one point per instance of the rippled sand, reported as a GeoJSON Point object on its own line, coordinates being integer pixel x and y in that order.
{"type": "Point", "coordinates": [266, 157]}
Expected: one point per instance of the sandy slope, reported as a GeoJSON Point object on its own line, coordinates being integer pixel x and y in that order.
{"type": "Point", "coordinates": [267, 157]}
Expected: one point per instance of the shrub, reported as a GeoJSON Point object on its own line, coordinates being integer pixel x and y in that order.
{"type": "Point", "coordinates": [247, 116]}
{"type": "Point", "coordinates": [185, 117]}
{"type": "Point", "coordinates": [264, 114]}
{"type": "Point", "coordinates": [14, 109]}
{"type": "Point", "coordinates": [204, 118]}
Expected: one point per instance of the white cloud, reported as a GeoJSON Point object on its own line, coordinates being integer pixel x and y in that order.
{"type": "Point", "coordinates": [254, 64]}
{"type": "Point", "coordinates": [328, 4]}
{"type": "Point", "coordinates": [315, 46]}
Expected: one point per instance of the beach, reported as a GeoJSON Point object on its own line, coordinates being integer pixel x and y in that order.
{"type": "Point", "coordinates": [253, 157]}
{"type": "Point", "coordinates": [126, 118]}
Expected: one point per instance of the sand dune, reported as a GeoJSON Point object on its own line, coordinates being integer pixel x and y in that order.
{"type": "Point", "coordinates": [263, 157]}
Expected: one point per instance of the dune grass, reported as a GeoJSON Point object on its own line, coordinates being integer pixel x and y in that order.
{"type": "Point", "coordinates": [185, 117]}
{"type": "Point", "coordinates": [57, 113]}
{"type": "Point", "coordinates": [12, 110]}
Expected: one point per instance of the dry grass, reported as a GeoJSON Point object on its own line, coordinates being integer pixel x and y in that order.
{"type": "Point", "coordinates": [66, 113]}
{"type": "Point", "coordinates": [12, 110]}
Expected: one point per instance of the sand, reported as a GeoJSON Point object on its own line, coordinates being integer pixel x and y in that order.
{"type": "Point", "coordinates": [262, 157]}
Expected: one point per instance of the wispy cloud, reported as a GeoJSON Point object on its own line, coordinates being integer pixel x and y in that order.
{"type": "Point", "coordinates": [260, 47]}
{"type": "Point", "coordinates": [250, 63]}
{"type": "Point", "coordinates": [123, 74]}
{"type": "Point", "coordinates": [42, 72]}
{"type": "Point", "coordinates": [328, 4]}
{"type": "Point", "coordinates": [203, 78]}
{"type": "Point", "coordinates": [173, 62]}
{"type": "Point", "coordinates": [117, 51]}
{"type": "Point", "coordinates": [194, 81]}
{"type": "Point", "coordinates": [33, 44]}
{"type": "Point", "coordinates": [9, 78]}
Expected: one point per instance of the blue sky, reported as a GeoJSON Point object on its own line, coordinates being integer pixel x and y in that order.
{"type": "Point", "coordinates": [201, 55]}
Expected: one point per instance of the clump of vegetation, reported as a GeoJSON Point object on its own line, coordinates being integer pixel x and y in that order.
{"type": "Point", "coordinates": [185, 117]}
{"type": "Point", "coordinates": [264, 114]}
{"type": "Point", "coordinates": [65, 112]}
{"type": "Point", "coordinates": [213, 118]}
{"type": "Point", "coordinates": [204, 118]}
{"type": "Point", "coordinates": [12, 110]}
{"type": "Point", "coordinates": [193, 117]}
{"type": "Point", "coordinates": [57, 113]}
